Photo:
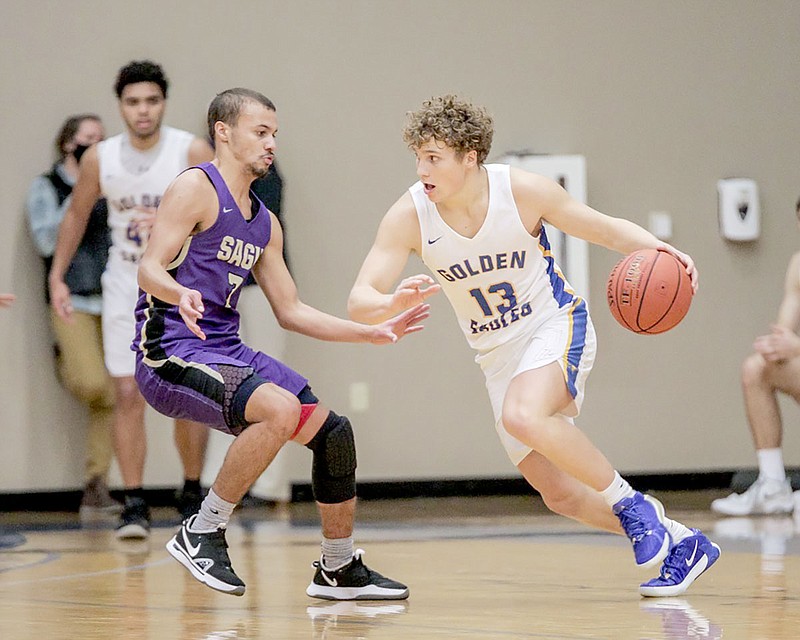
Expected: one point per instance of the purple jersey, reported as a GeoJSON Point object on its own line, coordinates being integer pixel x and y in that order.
{"type": "Point", "coordinates": [216, 262]}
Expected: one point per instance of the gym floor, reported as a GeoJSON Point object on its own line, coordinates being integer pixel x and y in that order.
{"type": "Point", "coordinates": [488, 567]}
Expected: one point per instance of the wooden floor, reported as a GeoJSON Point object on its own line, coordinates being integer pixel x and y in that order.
{"type": "Point", "coordinates": [477, 568]}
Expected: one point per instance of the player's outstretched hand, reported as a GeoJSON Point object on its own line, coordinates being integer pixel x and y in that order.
{"type": "Point", "coordinates": [395, 328]}
{"type": "Point", "coordinates": [413, 291]}
{"type": "Point", "coordinates": [191, 309]}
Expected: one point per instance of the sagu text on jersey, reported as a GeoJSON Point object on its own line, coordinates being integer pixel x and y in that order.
{"type": "Point", "coordinates": [238, 252]}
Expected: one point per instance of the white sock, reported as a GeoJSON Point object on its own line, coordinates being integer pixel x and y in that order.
{"type": "Point", "coordinates": [770, 465]}
{"type": "Point", "coordinates": [336, 552]}
{"type": "Point", "coordinates": [677, 530]}
{"type": "Point", "coordinates": [617, 490]}
{"type": "Point", "coordinates": [214, 512]}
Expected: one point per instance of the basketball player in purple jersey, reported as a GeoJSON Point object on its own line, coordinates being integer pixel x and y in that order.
{"type": "Point", "coordinates": [131, 170]}
{"type": "Point", "coordinates": [479, 228]}
{"type": "Point", "coordinates": [210, 232]}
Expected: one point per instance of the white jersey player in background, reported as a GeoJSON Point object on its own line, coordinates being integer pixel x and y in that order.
{"type": "Point", "coordinates": [132, 170]}
{"type": "Point", "coordinates": [479, 229]}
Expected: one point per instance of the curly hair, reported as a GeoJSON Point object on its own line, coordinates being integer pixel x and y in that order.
{"type": "Point", "coordinates": [141, 71]}
{"type": "Point", "coordinates": [459, 124]}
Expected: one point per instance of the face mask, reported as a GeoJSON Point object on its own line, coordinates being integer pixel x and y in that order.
{"type": "Point", "coordinates": [80, 149]}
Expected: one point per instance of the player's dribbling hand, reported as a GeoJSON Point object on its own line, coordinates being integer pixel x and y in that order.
{"type": "Point", "coordinates": [413, 291]}
{"type": "Point", "coordinates": [402, 324]}
{"type": "Point", "coordinates": [191, 309]}
{"type": "Point", "coordinates": [687, 261]}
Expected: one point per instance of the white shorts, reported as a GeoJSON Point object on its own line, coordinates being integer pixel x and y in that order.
{"type": "Point", "coordinates": [567, 338]}
{"type": "Point", "coordinates": [120, 293]}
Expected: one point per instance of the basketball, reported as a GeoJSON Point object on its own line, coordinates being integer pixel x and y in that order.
{"type": "Point", "coordinates": [649, 291]}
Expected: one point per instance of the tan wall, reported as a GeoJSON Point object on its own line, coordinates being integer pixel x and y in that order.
{"type": "Point", "coordinates": [662, 98]}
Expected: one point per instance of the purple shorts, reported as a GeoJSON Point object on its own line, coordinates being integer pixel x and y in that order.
{"type": "Point", "coordinates": [201, 384]}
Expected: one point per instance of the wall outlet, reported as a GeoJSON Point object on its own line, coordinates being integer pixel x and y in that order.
{"type": "Point", "coordinates": [359, 397]}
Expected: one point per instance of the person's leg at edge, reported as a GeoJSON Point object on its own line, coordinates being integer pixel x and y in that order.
{"type": "Point", "coordinates": [771, 493]}
{"type": "Point", "coordinates": [760, 383]}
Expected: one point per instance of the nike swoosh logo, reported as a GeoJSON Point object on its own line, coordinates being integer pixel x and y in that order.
{"type": "Point", "coordinates": [193, 551]}
{"type": "Point", "coordinates": [330, 581]}
{"type": "Point", "coordinates": [214, 511]}
{"type": "Point", "coordinates": [434, 240]}
{"type": "Point", "coordinates": [226, 210]}
{"type": "Point", "coordinates": [690, 559]}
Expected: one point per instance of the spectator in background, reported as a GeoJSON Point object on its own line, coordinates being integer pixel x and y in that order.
{"type": "Point", "coordinates": [131, 170]}
{"type": "Point", "coordinates": [772, 368]}
{"type": "Point", "coordinates": [79, 343]}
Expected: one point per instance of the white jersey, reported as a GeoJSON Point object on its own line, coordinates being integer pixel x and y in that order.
{"type": "Point", "coordinates": [503, 283]}
{"type": "Point", "coordinates": [125, 191]}
{"type": "Point", "coordinates": [512, 301]}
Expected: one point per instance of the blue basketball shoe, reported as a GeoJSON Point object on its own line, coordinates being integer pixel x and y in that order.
{"type": "Point", "coordinates": [641, 518]}
{"type": "Point", "coordinates": [685, 563]}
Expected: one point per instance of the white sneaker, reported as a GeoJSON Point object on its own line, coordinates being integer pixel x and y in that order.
{"type": "Point", "coordinates": [763, 497]}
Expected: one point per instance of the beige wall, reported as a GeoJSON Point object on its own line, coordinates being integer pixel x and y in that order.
{"type": "Point", "coordinates": [662, 98]}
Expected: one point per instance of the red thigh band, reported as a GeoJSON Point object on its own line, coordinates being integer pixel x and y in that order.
{"type": "Point", "coordinates": [305, 413]}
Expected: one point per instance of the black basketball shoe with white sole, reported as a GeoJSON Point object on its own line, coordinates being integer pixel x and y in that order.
{"type": "Point", "coordinates": [354, 581]}
{"type": "Point", "coordinates": [134, 521]}
{"type": "Point", "coordinates": [205, 555]}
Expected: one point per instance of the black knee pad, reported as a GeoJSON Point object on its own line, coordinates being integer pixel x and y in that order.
{"type": "Point", "coordinates": [333, 473]}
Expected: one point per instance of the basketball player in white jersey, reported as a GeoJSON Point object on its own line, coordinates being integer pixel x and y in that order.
{"type": "Point", "coordinates": [132, 170]}
{"type": "Point", "coordinates": [479, 228]}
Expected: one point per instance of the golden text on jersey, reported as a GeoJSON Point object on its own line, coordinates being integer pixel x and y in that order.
{"type": "Point", "coordinates": [502, 283]}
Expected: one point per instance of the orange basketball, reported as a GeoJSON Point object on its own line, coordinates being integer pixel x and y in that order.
{"type": "Point", "coordinates": [649, 291]}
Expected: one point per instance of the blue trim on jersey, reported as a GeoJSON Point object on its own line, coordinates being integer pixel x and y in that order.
{"type": "Point", "coordinates": [579, 315]}
{"type": "Point", "coordinates": [560, 295]}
